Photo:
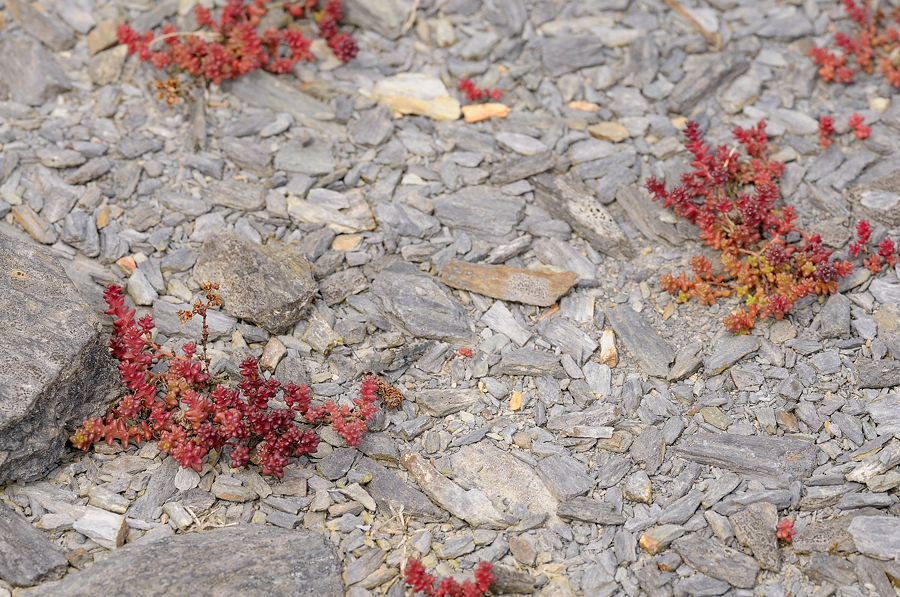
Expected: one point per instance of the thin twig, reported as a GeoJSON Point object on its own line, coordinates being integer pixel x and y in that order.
{"type": "Point", "coordinates": [711, 37]}
{"type": "Point", "coordinates": [412, 16]}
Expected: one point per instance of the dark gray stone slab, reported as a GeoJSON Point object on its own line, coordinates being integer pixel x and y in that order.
{"type": "Point", "coordinates": [568, 199]}
{"type": "Point", "coordinates": [774, 461]}
{"type": "Point", "coordinates": [728, 351]}
{"type": "Point", "coordinates": [483, 211]}
{"type": "Point", "coordinates": [297, 563]}
{"type": "Point", "coordinates": [568, 53]}
{"type": "Point", "coordinates": [42, 24]}
{"type": "Point", "coordinates": [27, 557]}
{"type": "Point", "coordinates": [373, 128]}
{"type": "Point", "coordinates": [713, 558]}
{"type": "Point", "coordinates": [418, 303]}
{"type": "Point", "coordinates": [55, 369]}
{"type": "Point", "coordinates": [878, 374]}
{"type": "Point", "coordinates": [160, 488]}
{"type": "Point", "coordinates": [565, 477]}
{"type": "Point", "coordinates": [836, 317]}
{"type": "Point", "coordinates": [649, 448]}
{"type": "Point", "coordinates": [647, 347]}
{"type": "Point", "coordinates": [33, 72]}
{"type": "Point", "coordinates": [714, 72]}
{"type": "Point", "coordinates": [527, 361]}
{"type": "Point", "coordinates": [339, 285]}
{"type": "Point", "coordinates": [268, 285]}
{"type": "Point", "coordinates": [786, 28]}
{"type": "Point", "coordinates": [335, 465]}
{"type": "Point", "coordinates": [443, 402]}
{"type": "Point", "coordinates": [385, 17]}
{"type": "Point", "coordinates": [520, 168]}
{"type": "Point", "coordinates": [876, 536]}
{"type": "Point", "coordinates": [590, 510]}
{"type": "Point", "coordinates": [246, 196]}
{"type": "Point", "coordinates": [755, 528]}
{"type": "Point", "coordinates": [205, 164]}
{"type": "Point", "coordinates": [824, 568]}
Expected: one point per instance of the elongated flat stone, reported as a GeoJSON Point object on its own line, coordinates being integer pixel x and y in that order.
{"type": "Point", "coordinates": [440, 403]}
{"type": "Point", "coordinates": [105, 528]}
{"type": "Point", "coordinates": [593, 422]}
{"type": "Point", "coordinates": [296, 563]}
{"type": "Point", "coordinates": [483, 211]}
{"type": "Point", "coordinates": [878, 374]}
{"type": "Point", "coordinates": [714, 559]}
{"type": "Point", "coordinates": [590, 510]}
{"type": "Point", "coordinates": [500, 320]}
{"type": "Point", "coordinates": [565, 477]}
{"type": "Point", "coordinates": [349, 213]}
{"type": "Point", "coordinates": [27, 557]}
{"type": "Point", "coordinates": [714, 72]}
{"type": "Point", "coordinates": [569, 199]}
{"type": "Point", "coordinates": [472, 505]}
{"type": "Point", "coordinates": [728, 351]}
{"type": "Point", "coordinates": [774, 461]}
{"type": "Point", "coordinates": [414, 93]}
{"type": "Point", "coordinates": [508, 283]}
{"type": "Point", "coordinates": [647, 347]}
{"type": "Point", "coordinates": [755, 527]}
{"type": "Point", "coordinates": [519, 168]}
{"type": "Point", "coordinates": [392, 494]}
{"type": "Point", "coordinates": [645, 214]}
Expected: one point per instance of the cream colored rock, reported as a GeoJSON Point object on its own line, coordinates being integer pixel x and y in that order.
{"type": "Point", "coordinates": [414, 93]}
{"type": "Point", "coordinates": [608, 353]}
{"type": "Point", "coordinates": [479, 112]}
{"type": "Point", "coordinates": [609, 131]}
{"type": "Point", "coordinates": [104, 528]}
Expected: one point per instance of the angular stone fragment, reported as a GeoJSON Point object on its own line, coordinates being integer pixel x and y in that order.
{"type": "Point", "coordinates": [774, 461]}
{"type": "Point", "coordinates": [590, 510]}
{"type": "Point", "coordinates": [392, 494]}
{"type": "Point", "coordinates": [148, 507]}
{"type": "Point", "coordinates": [237, 195]}
{"type": "Point", "coordinates": [414, 93]}
{"type": "Point", "coordinates": [647, 347]}
{"type": "Point", "coordinates": [824, 536]}
{"type": "Point", "coordinates": [885, 412]}
{"type": "Point", "coordinates": [878, 374]}
{"type": "Point", "coordinates": [527, 361]}
{"type": "Point", "coordinates": [53, 157]}
{"type": "Point", "coordinates": [472, 505]}
{"type": "Point", "coordinates": [568, 53]}
{"type": "Point", "coordinates": [479, 112]}
{"type": "Point", "coordinates": [440, 403]}
{"type": "Point", "coordinates": [105, 528]}
{"type": "Point", "coordinates": [500, 320]}
{"type": "Point", "coordinates": [93, 168]}
{"type": "Point", "coordinates": [593, 422]}
{"type": "Point", "coordinates": [387, 18]}
{"type": "Point", "coordinates": [728, 351]}
{"type": "Point", "coordinates": [39, 229]}
{"type": "Point", "coordinates": [755, 528]}
{"type": "Point", "coordinates": [345, 213]}
{"type": "Point", "coordinates": [56, 370]}
{"type": "Point", "coordinates": [483, 211]}
{"type": "Point", "coordinates": [880, 200]}
{"type": "Point", "coordinates": [714, 559]}
{"type": "Point", "coordinates": [518, 168]}
{"type": "Point", "coordinates": [42, 24]}
{"type": "Point", "coordinates": [508, 283]}
{"type": "Point", "coordinates": [339, 285]}
{"type": "Point", "coordinates": [373, 128]}
{"type": "Point", "coordinates": [649, 448]}
{"type": "Point", "coordinates": [560, 254]}
{"type": "Point", "coordinates": [569, 199]}
{"type": "Point", "coordinates": [419, 304]}
{"type": "Point", "coordinates": [297, 563]}
{"type": "Point", "coordinates": [499, 473]}
{"type": "Point", "coordinates": [660, 537]}
{"type": "Point", "coordinates": [27, 557]}
{"type": "Point", "coordinates": [824, 568]}
{"type": "Point", "coordinates": [268, 285]}
{"type": "Point", "coordinates": [565, 477]}
{"type": "Point", "coordinates": [712, 73]}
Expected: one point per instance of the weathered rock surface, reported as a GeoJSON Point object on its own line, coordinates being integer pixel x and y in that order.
{"type": "Point", "coordinates": [714, 559]}
{"type": "Point", "coordinates": [297, 564]}
{"type": "Point", "coordinates": [508, 283]}
{"type": "Point", "coordinates": [34, 70]}
{"type": "Point", "coordinates": [270, 285]}
{"type": "Point", "coordinates": [27, 557]}
{"type": "Point", "coordinates": [650, 350]}
{"type": "Point", "coordinates": [55, 369]}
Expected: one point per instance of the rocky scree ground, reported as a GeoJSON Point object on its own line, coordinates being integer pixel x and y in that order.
{"type": "Point", "coordinates": [660, 472]}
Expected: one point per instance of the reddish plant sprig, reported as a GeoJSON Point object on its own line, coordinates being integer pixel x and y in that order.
{"type": "Point", "coordinates": [733, 201]}
{"type": "Point", "coordinates": [232, 46]}
{"type": "Point", "coordinates": [875, 260]}
{"type": "Point", "coordinates": [856, 123]}
{"type": "Point", "coordinates": [189, 418]}
{"type": "Point", "coordinates": [873, 42]}
{"type": "Point", "coordinates": [826, 129]}
{"type": "Point", "coordinates": [784, 530]}
{"type": "Point", "coordinates": [415, 576]}
{"type": "Point", "coordinates": [473, 94]}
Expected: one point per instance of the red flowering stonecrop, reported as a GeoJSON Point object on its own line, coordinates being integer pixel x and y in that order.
{"type": "Point", "coordinates": [415, 576]}
{"type": "Point", "coordinates": [473, 94]}
{"type": "Point", "coordinates": [233, 46]}
{"type": "Point", "coordinates": [189, 417]}
{"type": "Point", "coordinates": [733, 201]}
{"type": "Point", "coordinates": [784, 530]}
{"type": "Point", "coordinates": [874, 45]}
{"type": "Point", "coordinates": [826, 129]}
{"type": "Point", "coordinates": [875, 260]}
{"type": "Point", "coordinates": [856, 123]}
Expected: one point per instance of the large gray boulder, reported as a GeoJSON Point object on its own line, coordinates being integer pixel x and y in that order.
{"type": "Point", "coordinates": [55, 368]}
{"type": "Point", "coordinates": [228, 562]}
{"type": "Point", "coordinates": [269, 285]}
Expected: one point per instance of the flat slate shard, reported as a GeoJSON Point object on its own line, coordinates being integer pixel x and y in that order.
{"type": "Point", "coordinates": [876, 536]}
{"type": "Point", "coordinates": [885, 412]}
{"type": "Point", "coordinates": [43, 25]}
{"type": "Point", "coordinates": [648, 348]}
{"type": "Point", "coordinates": [55, 368]}
{"type": "Point", "coordinates": [508, 283]}
{"type": "Point", "coordinates": [385, 17]}
{"type": "Point", "coordinates": [373, 128]}
{"type": "Point", "coordinates": [568, 53]}
{"type": "Point", "coordinates": [755, 528]}
{"type": "Point", "coordinates": [878, 374]}
{"type": "Point", "coordinates": [526, 361]}
{"type": "Point", "coordinates": [561, 333]}
{"type": "Point", "coordinates": [484, 211]}
{"type": "Point", "coordinates": [590, 510]}
{"type": "Point", "coordinates": [392, 494]}
{"type": "Point", "coordinates": [776, 462]}
{"type": "Point", "coordinates": [645, 214]}
{"type": "Point", "coordinates": [339, 285]}
{"type": "Point", "coordinates": [297, 563]}
{"type": "Point", "coordinates": [880, 199]}
{"type": "Point", "coordinates": [440, 403]}
{"type": "Point", "coordinates": [266, 90]}
{"type": "Point", "coordinates": [27, 557]}
{"type": "Point", "coordinates": [520, 168]}
{"type": "Point", "coordinates": [500, 320]}
{"type": "Point", "coordinates": [472, 505]}
{"type": "Point", "coordinates": [593, 422]}
{"type": "Point", "coordinates": [567, 198]}
{"type": "Point", "coordinates": [269, 285]}
{"type": "Point", "coordinates": [714, 72]}
{"type": "Point", "coordinates": [415, 93]}
{"type": "Point", "coordinates": [345, 213]}
{"type": "Point", "coordinates": [35, 72]}
{"type": "Point", "coordinates": [729, 350]}
{"type": "Point", "coordinates": [713, 558]}
{"type": "Point", "coordinates": [566, 477]}
{"type": "Point", "coordinates": [416, 302]}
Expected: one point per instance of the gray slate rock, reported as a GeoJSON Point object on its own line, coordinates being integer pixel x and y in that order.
{"type": "Point", "coordinates": [391, 493]}
{"type": "Point", "coordinates": [418, 303]}
{"type": "Point", "coordinates": [56, 369]}
{"type": "Point", "coordinates": [786, 28]}
{"type": "Point", "coordinates": [80, 231]}
{"type": "Point", "coordinates": [268, 285]}
{"type": "Point", "coordinates": [714, 72]}
{"type": "Point", "coordinates": [569, 199]}
{"type": "Point", "coordinates": [374, 127]}
{"type": "Point", "coordinates": [568, 53]}
{"type": "Point", "coordinates": [878, 374]}
{"type": "Point", "coordinates": [590, 510]}
{"type": "Point", "coordinates": [519, 168]}
{"type": "Point", "coordinates": [27, 557]}
{"type": "Point", "coordinates": [527, 361]}
{"type": "Point", "coordinates": [483, 211]}
{"type": "Point", "coordinates": [755, 528]}
{"type": "Point", "coordinates": [713, 558]}
{"type": "Point", "coordinates": [648, 348]}
{"type": "Point", "coordinates": [876, 536]}
{"type": "Point", "coordinates": [880, 199]}
{"type": "Point", "coordinates": [386, 17]}
{"type": "Point", "coordinates": [774, 461]}
{"type": "Point", "coordinates": [566, 477]}
{"type": "Point", "coordinates": [34, 70]}
{"type": "Point", "coordinates": [836, 317]}
{"type": "Point", "coordinates": [729, 350]}
{"type": "Point", "coordinates": [297, 563]}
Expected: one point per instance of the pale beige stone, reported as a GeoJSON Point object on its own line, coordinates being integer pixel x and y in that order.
{"type": "Point", "coordinates": [609, 131]}
{"type": "Point", "coordinates": [479, 112]}
{"type": "Point", "coordinates": [414, 93]}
